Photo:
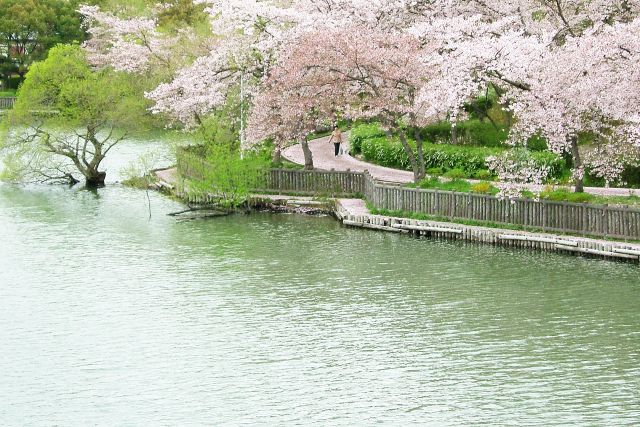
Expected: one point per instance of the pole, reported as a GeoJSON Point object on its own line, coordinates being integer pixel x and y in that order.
{"type": "Point", "coordinates": [242, 115]}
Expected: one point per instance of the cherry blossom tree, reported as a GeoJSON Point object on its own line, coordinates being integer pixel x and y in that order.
{"type": "Point", "coordinates": [126, 44]}
{"type": "Point", "coordinates": [564, 68]}
{"type": "Point", "coordinates": [359, 73]}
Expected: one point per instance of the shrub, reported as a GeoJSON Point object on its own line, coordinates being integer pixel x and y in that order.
{"type": "Point", "coordinates": [456, 173]}
{"type": "Point", "coordinates": [557, 165]}
{"type": "Point", "coordinates": [567, 196]}
{"type": "Point", "coordinates": [362, 132]}
{"type": "Point", "coordinates": [483, 188]}
{"type": "Point", "coordinates": [471, 132]}
{"type": "Point", "coordinates": [371, 142]}
{"type": "Point", "coordinates": [483, 174]}
{"type": "Point", "coordinates": [437, 132]}
{"type": "Point", "coordinates": [381, 151]}
{"type": "Point", "coordinates": [483, 134]}
{"type": "Point", "coordinates": [537, 143]}
{"type": "Point", "coordinates": [434, 183]}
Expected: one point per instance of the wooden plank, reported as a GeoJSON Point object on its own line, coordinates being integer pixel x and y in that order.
{"type": "Point", "coordinates": [596, 252]}
{"type": "Point", "coordinates": [527, 238]}
{"type": "Point", "coordinates": [635, 252]}
{"type": "Point", "coordinates": [428, 228]}
{"type": "Point", "coordinates": [371, 226]}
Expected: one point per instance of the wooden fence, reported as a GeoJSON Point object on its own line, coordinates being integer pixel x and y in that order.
{"type": "Point", "coordinates": [316, 182]}
{"type": "Point", "coordinates": [7, 103]}
{"type": "Point", "coordinates": [574, 218]}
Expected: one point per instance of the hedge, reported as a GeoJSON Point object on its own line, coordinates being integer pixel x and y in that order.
{"type": "Point", "coordinates": [380, 150]}
{"type": "Point", "coordinates": [471, 132]}
{"type": "Point", "coordinates": [362, 132]}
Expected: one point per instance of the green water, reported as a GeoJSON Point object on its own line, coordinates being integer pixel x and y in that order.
{"type": "Point", "coordinates": [109, 318]}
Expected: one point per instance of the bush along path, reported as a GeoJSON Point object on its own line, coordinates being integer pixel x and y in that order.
{"type": "Point", "coordinates": [324, 158]}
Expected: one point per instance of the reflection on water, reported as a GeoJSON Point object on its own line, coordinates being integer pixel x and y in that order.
{"type": "Point", "coordinates": [109, 318]}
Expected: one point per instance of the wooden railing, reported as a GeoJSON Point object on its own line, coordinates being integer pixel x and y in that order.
{"type": "Point", "coordinates": [6, 103]}
{"type": "Point", "coordinates": [316, 182]}
{"type": "Point", "coordinates": [573, 218]}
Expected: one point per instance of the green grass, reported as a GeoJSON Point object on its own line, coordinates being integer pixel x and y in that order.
{"type": "Point", "coordinates": [564, 195]}
{"type": "Point", "coordinates": [558, 195]}
{"type": "Point", "coordinates": [7, 93]}
{"type": "Point", "coordinates": [457, 185]}
{"type": "Point", "coordinates": [286, 164]}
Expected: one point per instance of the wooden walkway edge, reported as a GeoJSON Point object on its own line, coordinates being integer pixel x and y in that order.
{"type": "Point", "coordinates": [353, 213]}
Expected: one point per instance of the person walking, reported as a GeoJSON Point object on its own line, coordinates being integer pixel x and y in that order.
{"type": "Point", "coordinates": [336, 138]}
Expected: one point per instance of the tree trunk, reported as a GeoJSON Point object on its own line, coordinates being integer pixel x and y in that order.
{"type": "Point", "coordinates": [276, 157]}
{"type": "Point", "coordinates": [412, 158]}
{"type": "Point", "coordinates": [95, 179]}
{"type": "Point", "coordinates": [308, 155]}
{"type": "Point", "coordinates": [419, 148]}
{"type": "Point", "coordinates": [577, 165]}
{"type": "Point", "coordinates": [454, 134]}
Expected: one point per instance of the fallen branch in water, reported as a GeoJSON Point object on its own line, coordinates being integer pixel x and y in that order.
{"type": "Point", "coordinates": [214, 211]}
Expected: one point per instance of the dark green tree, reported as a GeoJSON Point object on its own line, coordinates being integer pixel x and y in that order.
{"type": "Point", "coordinates": [29, 28]}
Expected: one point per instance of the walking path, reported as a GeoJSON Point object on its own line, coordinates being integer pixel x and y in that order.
{"type": "Point", "coordinates": [324, 158]}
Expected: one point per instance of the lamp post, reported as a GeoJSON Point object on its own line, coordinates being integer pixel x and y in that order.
{"type": "Point", "coordinates": [242, 136]}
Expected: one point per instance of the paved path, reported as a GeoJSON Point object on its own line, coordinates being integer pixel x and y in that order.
{"type": "Point", "coordinates": [324, 158]}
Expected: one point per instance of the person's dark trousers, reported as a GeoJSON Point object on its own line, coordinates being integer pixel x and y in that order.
{"type": "Point", "coordinates": [337, 148]}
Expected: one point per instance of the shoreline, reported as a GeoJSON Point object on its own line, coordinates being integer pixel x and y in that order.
{"type": "Point", "coordinates": [354, 213]}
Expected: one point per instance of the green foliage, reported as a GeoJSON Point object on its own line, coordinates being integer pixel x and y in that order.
{"type": "Point", "coordinates": [361, 133]}
{"type": "Point", "coordinates": [479, 107]}
{"type": "Point", "coordinates": [483, 174]}
{"type": "Point", "coordinates": [64, 90]}
{"type": "Point", "coordinates": [458, 185]}
{"type": "Point", "coordinates": [29, 28]}
{"type": "Point", "coordinates": [182, 13]}
{"type": "Point", "coordinates": [9, 82]}
{"type": "Point", "coordinates": [225, 174]}
{"type": "Point", "coordinates": [565, 195]}
{"type": "Point", "coordinates": [470, 132]}
{"type": "Point", "coordinates": [537, 143]}
{"type": "Point", "coordinates": [69, 116]}
{"type": "Point", "coordinates": [381, 151]}
{"type": "Point", "coordinates": [442, 156]}
{"type": "Point", "coordinates": [467, 161]}
{"type": "Point", "coordinates": [456, 173]}
{"type": "Point", "coordinates": [435, 171]}
{"type": "Point", "coordinates": [556, 164]}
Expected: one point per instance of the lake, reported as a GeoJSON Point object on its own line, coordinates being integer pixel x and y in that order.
{"type": "Point", "coordinates": [111, 318]}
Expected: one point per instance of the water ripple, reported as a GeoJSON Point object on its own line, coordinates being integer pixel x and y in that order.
{"type": "Point", "coordinates": [111, 319]}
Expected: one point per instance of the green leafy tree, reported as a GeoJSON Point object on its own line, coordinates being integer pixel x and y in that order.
{"type": "Point", "coordinates": [29, 28]}
{"type": "Point", "coordinates": [224, 176]}
{"type": "Point", "coordinates": [68, 117]}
